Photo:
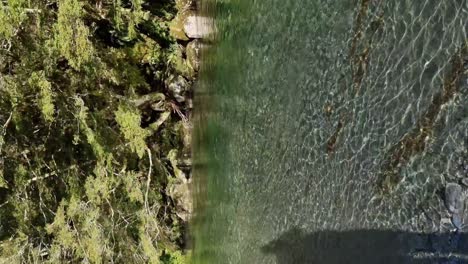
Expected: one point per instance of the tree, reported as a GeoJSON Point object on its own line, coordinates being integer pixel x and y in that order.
{"type": "Point", "coordinates": [88, 127]}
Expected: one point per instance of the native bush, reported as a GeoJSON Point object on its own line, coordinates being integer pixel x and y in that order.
{"type": "Point", "coordinates": [83, 169]}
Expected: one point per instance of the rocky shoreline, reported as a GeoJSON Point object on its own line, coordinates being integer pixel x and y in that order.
{"type": "Point", "coordinates": [96, 119]}
{"type": "Point", "coordinates": [188, 29]}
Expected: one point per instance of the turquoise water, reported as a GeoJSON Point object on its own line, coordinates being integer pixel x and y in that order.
{"type": "Point", "coordinates": [331, 116]}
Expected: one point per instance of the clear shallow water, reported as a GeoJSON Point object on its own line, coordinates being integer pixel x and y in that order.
{"type": "Point", "coordinates": [325, 117]}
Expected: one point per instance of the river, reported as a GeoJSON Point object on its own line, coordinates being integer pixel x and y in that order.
{"type": "Point", "coordinates": [319, 121]}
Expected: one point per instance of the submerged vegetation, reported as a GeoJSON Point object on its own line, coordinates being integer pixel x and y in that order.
{"type": "Point", "coordinates": [94, 131]}
{"type": "Point", "coordinates": [417, 139]}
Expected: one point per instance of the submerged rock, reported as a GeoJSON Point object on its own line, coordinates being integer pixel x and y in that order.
{"type": "Point", "coordinates": [457, 221]}
{"type": "Point", "coordinates": [464, 181]}
{"type": "Point", "coordinates": [454, 198]}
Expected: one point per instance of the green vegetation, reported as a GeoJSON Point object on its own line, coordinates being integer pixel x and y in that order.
{"type": "Point", "coordinates": [92, 140]}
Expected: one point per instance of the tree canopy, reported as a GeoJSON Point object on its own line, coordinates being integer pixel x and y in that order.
{"type": "Point", "coordinates": [90, 132]}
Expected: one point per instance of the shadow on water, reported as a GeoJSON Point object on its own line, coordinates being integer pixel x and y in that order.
{"type": "Point", "coordinates": [368, 246]}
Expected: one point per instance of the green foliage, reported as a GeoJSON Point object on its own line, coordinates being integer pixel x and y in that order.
{"type": "Point", "coordinates": [72, 36]}
{"type": "Point", "coordinates": [148, 249]}
{"type": "Point", "coordinates": [86, 230]}
{"type": "Point", "coordinates": [148, 227]}
{"type": "Point", "coordinates": [46, 96]}
{"type": "Point", "coordinates": [133, 187]}
{"type": "Point", "coordinates": [179, 64]}
{"type": "Point", "coordinates": [148, 52]}
{"type": "Point", "coordinates": [90, 134]}
{"type": "Point", "coordinates": [3, 183]}
{"type": "Point", "coordinates": [129, 121]}
{"type": "Point", "coordinates": [136, 17]}
{"type": "Point", "coordinates": [12, 15]}
{"type": "Point", "coordinates": [12, 91]}
{"type": "Point", "coordinates": [124, 72]}
{"type": "Point", "coordinates": [175, 257]}
{"type": "Point", "coordinates": [85, 124]}
{"type": "Point", "coordinates": [172, 156]}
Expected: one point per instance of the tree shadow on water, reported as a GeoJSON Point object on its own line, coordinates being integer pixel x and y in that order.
{"type": "Point", "coordinates": [368, 247]}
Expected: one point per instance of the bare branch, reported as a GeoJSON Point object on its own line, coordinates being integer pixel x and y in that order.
{"type": "Point", "coordinates": [148, 181]}
{"type": "Point", "coordinates": [7, 122]}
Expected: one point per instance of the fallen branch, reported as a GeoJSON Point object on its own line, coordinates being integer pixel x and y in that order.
{"type": "Point", "coordinates": [148, 181]}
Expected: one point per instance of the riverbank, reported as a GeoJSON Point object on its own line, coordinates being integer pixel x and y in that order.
{"type": "Point", "coordinates": [96, 131]}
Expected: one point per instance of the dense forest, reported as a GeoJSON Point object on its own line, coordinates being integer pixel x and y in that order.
{"type": "Point", "coordinates": [95, 99]}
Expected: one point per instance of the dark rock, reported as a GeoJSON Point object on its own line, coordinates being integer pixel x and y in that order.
{"type": "Point", "coordinates": [178, 86]}
{"type": "Point", "coordinates": [464, 181]}
{"type": "Point", "coordinates": [193, 54]}
{"type": "Point", "coordinates": [454, 198]}
{"type": "Point", "coordinates": [179, 189]}
{"type": "Point", "coordinates": [457, 221]}
{"type": "Point", "coordinates": [181, 194]}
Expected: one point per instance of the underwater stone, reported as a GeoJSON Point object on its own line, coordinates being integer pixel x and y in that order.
{"type": "Point", "coordinates": [457, 221]}
{"type": "Point", "coordinates": [464, 181]}
{"type": "Point", "coordinates": [454, 198]}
